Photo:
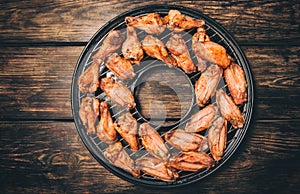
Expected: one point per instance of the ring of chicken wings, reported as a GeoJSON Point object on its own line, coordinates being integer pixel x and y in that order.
{"type": "Point", "coordinates": [88, 113]}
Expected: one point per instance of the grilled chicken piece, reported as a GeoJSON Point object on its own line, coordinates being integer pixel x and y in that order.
{"type": "Point", "coordinates": [151, 23]}
{"type": "Point", "coordinates": [229, 110]}
{"type": "Point", "coordinates": [121, 67]}
{"type": "Point", "coordinates": [206, 85]}
{"type": "Point", "coordinates": [88, 81]}
{"type": "Point", "coordinates": [155, 48]}
{"type": "Point", "coordinates": [191, 161]}
{"type": "Point", "coordinates": [201, 120]}
{"type": "Point", "coordinates": [236, 81]}
{"type": "Point", "coordinates": [127, 127]}
{"type": "Point", "coordinates": [120, 158]}
{"type": "Point", "coordinates": [152, 142]}
{"type": "Point", "coordinates": [179, 51]}
{"type": "Point", "coordinates": [186, 141]}
{"type": "Point", "coordinates": [208, 51]}
{"type": "Point", "coordinates": [105, 129]}
{"type": "Point", "coordinates": [217, 137]}
{"type": "Point", "coordinates": [156, 168]}
{"type": "Point", "coordinates": [118, 92]}
{"type": "Point", "coordinates": [111, 43]}
{"type": "Point", "coordinates": [132, 48]}
{"type": "Point", "coordinates": [89, 112]}
{"type": "Point", "coordinates": [178, 22]}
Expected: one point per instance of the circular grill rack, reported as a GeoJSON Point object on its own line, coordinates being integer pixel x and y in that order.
{"type": "Point", "coordinates": [217, 34]}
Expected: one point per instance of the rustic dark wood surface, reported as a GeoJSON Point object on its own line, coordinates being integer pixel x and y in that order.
{"type": "Point", "coordinates": [41, 151]}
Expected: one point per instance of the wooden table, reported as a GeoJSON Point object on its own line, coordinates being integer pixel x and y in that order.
{"type": "Point", "coordinates": [41, 151]}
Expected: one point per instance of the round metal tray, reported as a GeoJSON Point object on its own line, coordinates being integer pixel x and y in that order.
{"type": "Point", "coordinates": [217, 34]}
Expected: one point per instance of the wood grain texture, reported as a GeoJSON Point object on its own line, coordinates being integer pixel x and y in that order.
{"type": "Point", "coordinates": [250, 22]}
{"type": "Point", "coordinates": [43, 157]}
{"type": "Point", "coordinates": [35, 82]}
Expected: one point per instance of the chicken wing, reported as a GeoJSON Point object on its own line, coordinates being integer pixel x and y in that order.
{"type": "Point", "coordinates": [236, 81]}
{"type": "Point", "coordinates": [206, 85]}
{"type": "Point", "coordinates": [186, 141]}
{"type": "Point", "coordinates": [120, 158]}
{"type": "Point", "coordinates": [132, 48]}
{"type": "Point", "coordinates": [89, 112]}
{"type": "Point", "coordinates": [121, 67]}
{"type": "Point", "coordinates": [179, 51]}
{"type": "Point", "coordinates": [191, 161]}
{"type": "Point", "coordinates": [105, 129]}
{"type": "Point", "coordinates": [152, 142]}
{"type": "Point", "coordinates": [118, 92]}
{"type": "Point", "coordinates": [156, 168]}
{"type": "Point", "coordinates": [229, 110]}
{"type": "Point", "coordinates": [208, 51]}
{"type": "Point", "coordinates": [155, 48]}
{"type": "Point", "coordinates": [151, 23]}
{"type": "Point", "coordinates": [201, 120]}
{"type": "Point", "coordinates": [127, 127]}
{"type": "Point", "coordinates": [217, 137]}
{"type": "Point", "coordinates": [88, 81]}
{"type": "Point", "coordinates": [178, 22]}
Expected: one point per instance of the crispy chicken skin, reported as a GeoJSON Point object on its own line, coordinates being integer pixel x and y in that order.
{"type": "Point", "coordinates": [236, 81]}
{"type": "Point", "coordinates": [186, 141]}
{"type": "Point", "coordinates": [88, 81]}
{"type": "Point", "coordinates": [121, 67]}
{"type": "Point", "coordinates": [155, 48]}
{"type": "Point", "coordinates": [111, 43]}
{"type": "Point", "coordinates": [132, 48]}
{"type": "Point", "coordinates": [151, 23]}
{"type": "Point", "coordinates": [118, 92]}
{"type": "Point", "coordinates": [206, 85]}
{"type": "Point", "coordinates": [105, 129]}
{"type": "Point", "coordinates": [229, 110]}
{"type": "Point", "coordinates": [178, 22]}
{"type": "Point", "coordinates": [120, 158]}
{"type": "Point", "coordinates": [89, 112]}
{"type": "Point", "coordinates": [127, 127]}
{"type": "Point", "coordinates": [217, 137]}
{"type": "Point", "coordinates": [208, 51]}
{"type": "Point", "coordinates": [153, 142]}
{"type": "Point", "coordinates": [201, 120]}
{"type": "Point", "coordinates": [179, 51]}
{"type": "Point", "coordinates": [156, 168]}
{"type": "Point", "coordinates": [191, 161]}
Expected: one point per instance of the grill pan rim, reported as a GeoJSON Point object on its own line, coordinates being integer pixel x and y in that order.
{"type": "Point", "coordinates": [113, 23]}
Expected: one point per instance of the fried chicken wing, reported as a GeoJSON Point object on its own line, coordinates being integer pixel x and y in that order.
{"type": "Point", "coordinates": [132, 48]}
{"type": "Point", "coordinates": [217, 137]}
{"type": "Point", "coordinates": [229, 110]}
{"type": "Point", "coordinates": [118, 92]}
{"type": "Point", "coordinates": [127, 127]}
{"type": "Point", "coordinates": [88, 81]}
{"type": "Point", "coordinates": [105, 129]}
{"type": "Point", "coordinates": [152, 142]}
{"type": "Point", "coordinates": [201, 120]}
{"type": "Point", "coordinates": [236, 81]}
{"type": "Point", "coordinates": [120, 158]}
{"type": "Point", "coordinates": [151, 23]}
{"type": "Point", "coordinates": [156, 168]}
{"type": "Point", "coordinates": [89, 112]}
{"type": "Point", "coordinates": [111, 43]}
{"type": "Point", "coordinates": [186, 141]}
{"type": "Point", "coordinates": [206, 85]}
{"type": "Point", "coordinates": [179, 51]}
{"type": "Point", "coordinates": [178, 22]}
{"type": "Point", "coordinates": [155, 48]}
{"type": "Point", "coordinates": [208, 51]}
{"type": "Point", "coordinates": [191, 161]}
{"type": "Point", "coordinates": [121, 67]}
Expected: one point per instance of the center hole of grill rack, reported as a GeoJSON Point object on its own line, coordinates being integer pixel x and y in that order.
{"type": "Point", "coordinates": [164, 96]}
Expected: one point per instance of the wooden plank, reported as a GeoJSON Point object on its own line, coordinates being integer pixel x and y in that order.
{"type": "Point", "coordinates": [250, 22]}
{"type": "Point", "coordinates": [50, 157]}
{"type": "Point", "coordinates": [35, 82]}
